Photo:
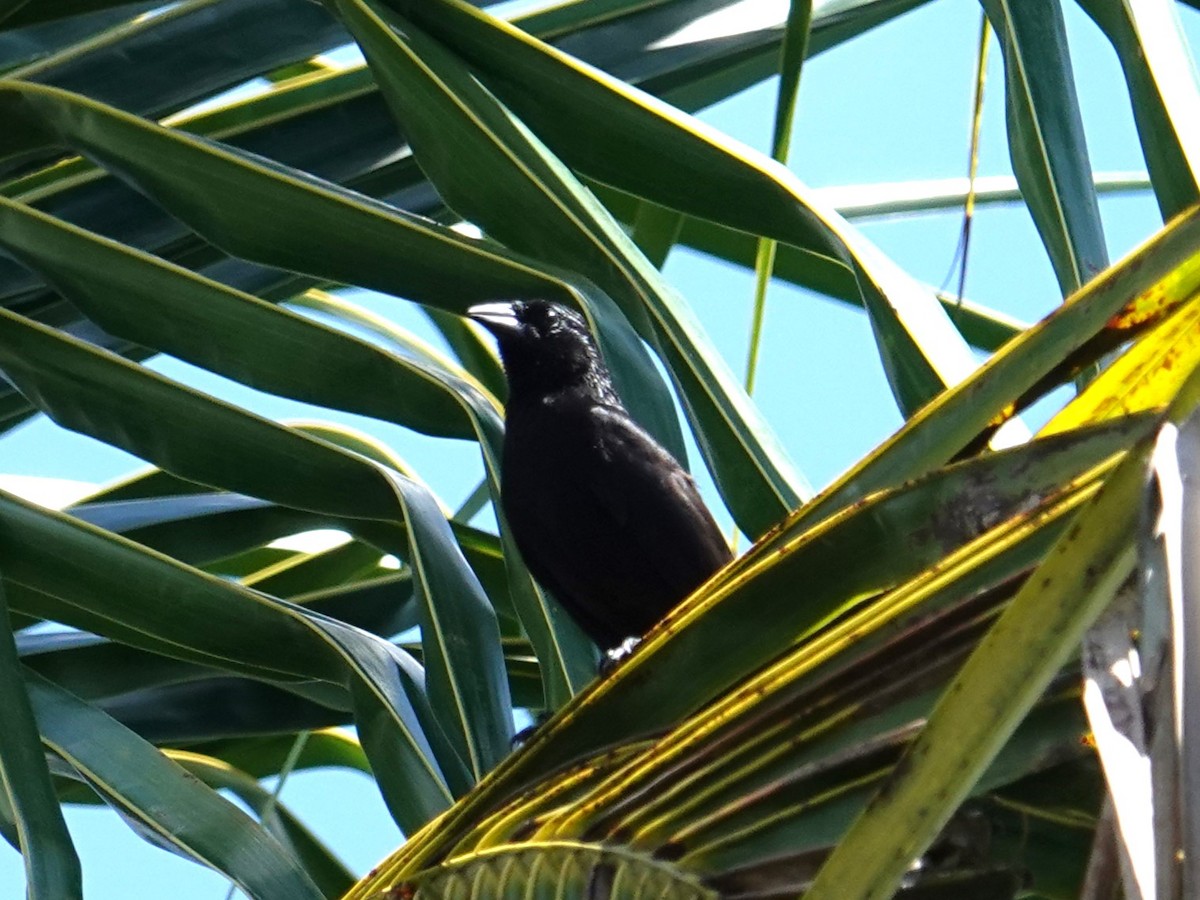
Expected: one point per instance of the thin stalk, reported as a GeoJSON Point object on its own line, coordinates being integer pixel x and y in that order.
{"type": "Point", "coordinates": [791, 61]}
{"type": "Point", "coordinates": [475, 501]}
{"type": "Point", "coordinates": [792, 53]}
{"type": "Point", "coordinates": [961, 252]}
{"type": "Point", "coordinates": [289, 764]}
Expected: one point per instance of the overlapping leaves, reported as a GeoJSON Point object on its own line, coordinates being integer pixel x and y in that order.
{"type": "Point", "coordinates": [754, 726]}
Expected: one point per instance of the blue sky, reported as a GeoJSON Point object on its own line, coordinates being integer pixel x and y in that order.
{"type": "Point", "coordinates": [893, 105]}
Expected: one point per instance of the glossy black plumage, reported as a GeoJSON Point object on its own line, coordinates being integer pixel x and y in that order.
{"type": "Point", "coordinates": [604, 517]}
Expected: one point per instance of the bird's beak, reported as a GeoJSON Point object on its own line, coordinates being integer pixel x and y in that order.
{"type": "Point", "coordinates": [498, 318]}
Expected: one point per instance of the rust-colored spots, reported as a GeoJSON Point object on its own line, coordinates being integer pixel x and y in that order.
{"type": "Point", "coordinates": [1145, 307]}
{"type": "Point", "coordinates": [1003, 416]}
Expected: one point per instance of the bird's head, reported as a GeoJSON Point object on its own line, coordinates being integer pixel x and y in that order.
{"type": "Point", "coordinates": [545, 347]}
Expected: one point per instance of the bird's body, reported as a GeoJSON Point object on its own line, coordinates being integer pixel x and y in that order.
{"type": "Point", "coordinates": [604, 517]}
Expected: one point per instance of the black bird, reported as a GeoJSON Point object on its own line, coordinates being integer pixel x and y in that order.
{"type": "Point", "coordinates": [604, 517]}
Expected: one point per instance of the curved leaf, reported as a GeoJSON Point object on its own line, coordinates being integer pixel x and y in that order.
{"type": "Point", "coordinates": [1161, 273]}
{"type": "Point", "coordinates": [714, 642]}
{"type": "Point", "coordinates": [158, 64]}
{"type": "Point", "coordinates": [166, 307]}
{"type": "Point", "coordinates": [619, 136]}
{"type": "Point", "coordinates": [552, 868]}
{"type": "Point", "coordinates": [1148, 375]}
{"type": "Point", "coordinates": [162, 802]}
{"type": "Point", "coordinates": [1160, 75]}
{"type": "Point", "coordinates": [63, 570]}
{"type": "Point", "coordinates": [325, 869]}
{"type": "Point", "coordinates": [1005, 674]}
{"type": "Point", "coordinates": [351, 239]}
{"type": "Point", "coordinates": [1035, 635]}
{"type": "Point", "coordinates": [205, 440]}
{"type": "Point", "coordinates": [51, 864]}
{"type": "Point", "coordinates": [513, 179]}
{"type": "Point", "coordinates": [1046, 139]}
{"type": "Point", "coordinates": [19, 46]}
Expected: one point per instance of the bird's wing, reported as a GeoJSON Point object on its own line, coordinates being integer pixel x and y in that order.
{"type": "Point", "coordinates": [605, 518]}
{"type": "Point", "coordinates": [656, 502]}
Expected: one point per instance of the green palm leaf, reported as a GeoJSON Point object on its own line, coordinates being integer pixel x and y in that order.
{"type": "Point", "coordinates": [881, 697]}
